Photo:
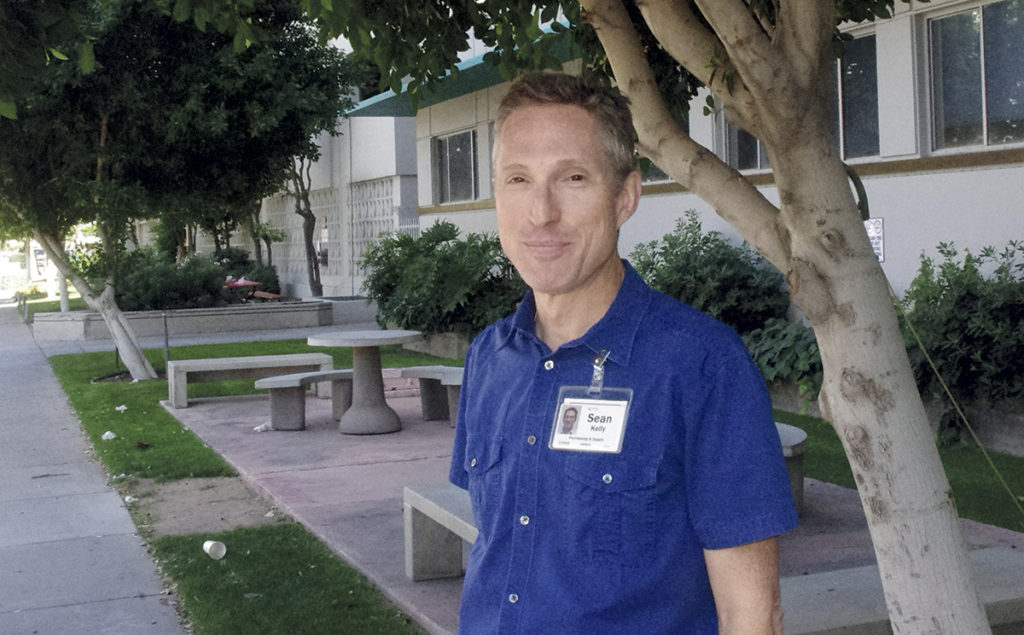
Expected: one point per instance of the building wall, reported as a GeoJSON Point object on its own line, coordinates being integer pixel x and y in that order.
{"type": "Point", "coordinates": [970, 196]}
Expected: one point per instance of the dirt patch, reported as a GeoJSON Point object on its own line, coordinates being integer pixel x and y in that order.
{"type": "Point", "coordinates": [196, 506]}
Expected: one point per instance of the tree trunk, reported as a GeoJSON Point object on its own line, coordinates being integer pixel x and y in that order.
{"type": "Point", "coordinates": [300, 190]}
{"type": "Point", "coordinates": [257, 245]}
{"type": "Point", "coordinates": [128, 347]}
{"type": "Point", "coordinates": [816, 238]}
{"type": "Point", "coordinates": [870, 398]}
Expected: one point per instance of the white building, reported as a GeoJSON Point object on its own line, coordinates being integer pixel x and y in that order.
{"type": "Point", "coordinates": [931, 116]}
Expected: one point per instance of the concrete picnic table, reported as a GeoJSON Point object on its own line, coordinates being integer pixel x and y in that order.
{"type": "Point", "coordinates": [368, 414]}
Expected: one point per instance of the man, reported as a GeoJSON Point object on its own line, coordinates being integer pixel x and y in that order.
{"type": "Point", "coordinates": [663, 517]}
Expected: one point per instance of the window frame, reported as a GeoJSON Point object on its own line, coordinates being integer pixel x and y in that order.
{"type": "Point", "coordinates": [442, 181]}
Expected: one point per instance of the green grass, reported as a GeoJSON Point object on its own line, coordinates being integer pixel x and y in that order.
{"type": "Point", "coordinates": [150, 443]}
{"type": "Point", "coordinates": [75, 303]}
{"type": "Point", "coordinates": [977, 490]}
{"type": "Point", "coordinates": [274, 579]}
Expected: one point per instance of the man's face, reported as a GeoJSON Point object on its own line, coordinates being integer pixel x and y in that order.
{"type": "Point", "coordinates": [559, 209]}
{"type": "Point", "coordinates": [568, 420]}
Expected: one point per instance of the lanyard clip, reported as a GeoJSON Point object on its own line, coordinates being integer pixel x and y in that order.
{"type": "Point", "coordinates": [597, 380]}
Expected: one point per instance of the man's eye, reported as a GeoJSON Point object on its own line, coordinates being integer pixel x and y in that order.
{"type": "Point", "coordinates": [576, 177]}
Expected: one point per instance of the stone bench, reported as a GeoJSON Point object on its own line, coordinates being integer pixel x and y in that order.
{"type": "Point", "coordinates": [438, 517]}
{"type": "Point", "coordinates": [793, 440]}
{"type": "Point", "coordinates": [182, 371]}
{"type": "Point", "coordinates": [288, 396]}
{"type": "Point", "coordinates": [440, 387]}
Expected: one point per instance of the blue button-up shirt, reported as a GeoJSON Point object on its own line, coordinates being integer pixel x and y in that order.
{"type": "Point", "coordinates": [580, 542]}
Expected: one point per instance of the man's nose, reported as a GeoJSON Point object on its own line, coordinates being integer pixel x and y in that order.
{"type": "Point", "coordinates": [544, 206]}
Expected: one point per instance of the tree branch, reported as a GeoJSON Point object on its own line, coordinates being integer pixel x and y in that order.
{"type": "Point", "coordinates": [804, 36]}
{"type": "Point", "coordinates": [697, 49]}
{"type": "Point", "coordinates": [689, 163]}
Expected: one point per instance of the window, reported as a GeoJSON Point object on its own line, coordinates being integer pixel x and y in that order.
{"type": "Point", "coordinates": [858, 99]}
{"type": "Point", "coordinates": [743, 150]}
{"type": "Point", "coordinates": [977, 76]}
{"type": "Point", "coordinates": [455, 168]}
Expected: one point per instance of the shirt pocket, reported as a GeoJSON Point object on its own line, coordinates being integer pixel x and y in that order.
{"type": "Point", "coordinates": [610, 505]}
{"type": "Point", "coordinates": [483, 467]}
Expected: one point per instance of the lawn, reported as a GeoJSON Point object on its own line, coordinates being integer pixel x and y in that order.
{"type": "Point", "coordinates": [977, 489]}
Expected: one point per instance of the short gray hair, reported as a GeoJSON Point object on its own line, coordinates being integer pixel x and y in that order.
{"type": "Point", "coordinates": [609, 107]}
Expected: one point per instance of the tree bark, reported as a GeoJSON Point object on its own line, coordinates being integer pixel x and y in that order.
{"type": "Point", "coordinates": [816, 238]}
{"type": "Point", "coordinates": [128, 347]}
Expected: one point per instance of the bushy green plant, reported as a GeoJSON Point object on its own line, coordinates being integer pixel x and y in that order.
{"type": "Point", "coordinates": [969, 313]}
{"type": "Point", "coordinates": [734, 284]}
{"type": "Point", "coordinates": [787, 351]}
{"type": "Point", "coordinates": [438, 283]}
{"type": "Point", "coordinates": [235, 261]}
{"type": "Point", "coordinates": [266, 275]}
{"type": "Point", "coordinates": [147, 281]}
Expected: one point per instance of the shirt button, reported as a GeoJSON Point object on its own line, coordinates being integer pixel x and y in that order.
{"type": "Point", "coordinates": [548, 365]}
{"type": "Point", "coordinates": [607, 478]}
{"type": "Point", "coordinates": [524, 520]}
{"type": "Point", "coordinates": [513, 597]}
{"type": "Point", "coordinates": [531, 439]}
{"type": "Point", "coordinates": [472, 463]}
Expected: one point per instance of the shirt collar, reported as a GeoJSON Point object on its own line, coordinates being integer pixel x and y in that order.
{"type": "Point", "coordinates": [615, 331]}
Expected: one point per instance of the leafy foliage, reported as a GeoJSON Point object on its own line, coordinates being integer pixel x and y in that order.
{"type": "Point", "coordinates": [438, 283]}
{"type": "Point", "coordinates": [787, 352]}
{"type": "Point", "coordinates": [147, 281]}
{"type": "Point", "coordinates": [733, 284]}
{"type": "Point", "coordinates": [967, 310]}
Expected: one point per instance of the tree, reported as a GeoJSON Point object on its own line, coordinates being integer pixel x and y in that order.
{"type": "Point", "coordinates": [769, 64]}
{"type": "Point", "coordinates": [173, 121]}
{"type": "Point", "coordinates": [300, 184]}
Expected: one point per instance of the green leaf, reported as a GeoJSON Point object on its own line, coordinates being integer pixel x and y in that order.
{"type": "Point", "coordinates": [54, 52]}
{"type": "Point", "coordinates": [182, 9]}
{"type": "Point", "coordinates": [86, 57]}
{"type": "Point", "coordinates": [8, 109]}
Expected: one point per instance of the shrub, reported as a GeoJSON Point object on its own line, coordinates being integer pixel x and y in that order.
{"type": "Point", "coordinates": [970, 323]}
{"type": "Point", "coordinates": [266, 275]}
{"type": "Point", "coordinates": [147, 281]}
{"type": "Point", "coordinates": [734, 284]}
{"type": "Point", "coordinates": [787, 351]}
{"type": "Point", "coordinates": [437, 283]}
{"type": "Point", "coordinates": [235, 261]}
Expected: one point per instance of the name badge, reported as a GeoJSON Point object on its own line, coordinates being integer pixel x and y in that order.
{"type": "Point", "coordinates": [584, 424]}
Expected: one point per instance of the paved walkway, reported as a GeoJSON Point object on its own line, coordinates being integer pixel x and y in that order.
{"type": "Point", "coordinates": [347, 490]}
{"type": "Point", "coordinates": [70, 561]}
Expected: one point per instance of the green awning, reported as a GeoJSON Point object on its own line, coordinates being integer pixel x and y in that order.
{"type": "Point", "coordinates": [473, 74]}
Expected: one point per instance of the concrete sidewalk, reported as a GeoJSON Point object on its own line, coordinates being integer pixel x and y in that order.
{"type": "Point", "coordinates": [70, 560]}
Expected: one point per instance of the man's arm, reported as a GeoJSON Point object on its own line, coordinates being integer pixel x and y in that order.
{"type": "Point", "coordinates": [745, 583]}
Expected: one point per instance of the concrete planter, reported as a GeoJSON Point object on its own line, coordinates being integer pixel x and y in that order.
{"type": "Point", "coordinates": [441, 345]}
{"type": "Point", "coordinates": [999, 426]}
{"type": "Point", "coordinates": [84, 325]}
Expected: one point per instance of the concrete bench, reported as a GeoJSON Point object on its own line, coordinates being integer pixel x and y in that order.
{"type": "Point", "coordinates": [438, 517]}
{"type": "Point", "coordinates": [288, 396]}
{"type": "Point", "coordinates": [182, 371]}
{"type": "Point", "coordinates": [440, 387]}
{"type": "Point", "coordinates": [793, 440]}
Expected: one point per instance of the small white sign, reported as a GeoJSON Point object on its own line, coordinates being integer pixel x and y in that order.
{"type": "Point", "coordinates": [876, 234]}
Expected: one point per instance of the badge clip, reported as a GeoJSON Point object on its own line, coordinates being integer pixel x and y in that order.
{"type": "Point", "coordinates": [597, 380]}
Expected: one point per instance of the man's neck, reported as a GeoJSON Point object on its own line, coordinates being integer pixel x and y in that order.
{"type": "Point", "coordinates": [562, 318]}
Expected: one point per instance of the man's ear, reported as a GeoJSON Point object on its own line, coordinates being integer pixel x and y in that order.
{"type": "Point", "coordinates": [628, 198]}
